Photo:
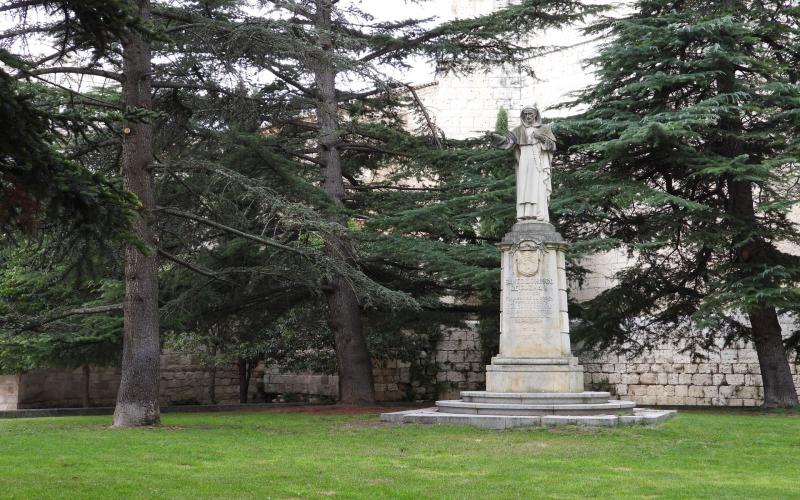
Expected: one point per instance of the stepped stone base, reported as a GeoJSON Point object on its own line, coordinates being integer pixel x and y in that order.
{"type": "Point", "coordinates": [641, 416]}
{"type": "Point", "coordinates": [502, 410]}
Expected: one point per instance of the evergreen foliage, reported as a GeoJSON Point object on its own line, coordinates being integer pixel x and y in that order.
{"type": "Point", "coordinates": [66, 338]}
{"type": "Point", "coordinates": [249, 237]}
{"type": "Point", "coordinates": [687, 161]}
{"type": "Point", "coordinates": [501, 125]}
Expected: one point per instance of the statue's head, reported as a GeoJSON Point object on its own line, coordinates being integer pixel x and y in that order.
{"type": "Point", "coordinates": [530, 116]}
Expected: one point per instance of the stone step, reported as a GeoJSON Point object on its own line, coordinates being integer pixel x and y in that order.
{"type": "Point", "coordinates": [540, 398]}
{"type": "Point", "coordinates": [467, 408]}
{"type": "Point", "coordinates": [432, 416]}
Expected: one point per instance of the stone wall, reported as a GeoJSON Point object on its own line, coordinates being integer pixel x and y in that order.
{"type": "Point", "coordinates": [459, 362]}
{"type": "Point", "coordinates": [454, 365]}
{"type": "Point", "coordinates": [183, 381]}
{"type": "Point", "coordinates": [667, 377]}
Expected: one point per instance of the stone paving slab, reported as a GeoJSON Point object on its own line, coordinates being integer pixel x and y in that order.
{"type": "Point", "coordinates": [641, 416]}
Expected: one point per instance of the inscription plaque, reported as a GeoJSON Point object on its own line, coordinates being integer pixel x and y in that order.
{"type": "Point", "coordinates": [531, 298]}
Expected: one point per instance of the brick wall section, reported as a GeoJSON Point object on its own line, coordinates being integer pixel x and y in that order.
{"type": "Point", "coordinates": [454, 365]}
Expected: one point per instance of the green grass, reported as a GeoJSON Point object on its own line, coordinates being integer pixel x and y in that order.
{"type": "Point", "coordinates": [279, 455]}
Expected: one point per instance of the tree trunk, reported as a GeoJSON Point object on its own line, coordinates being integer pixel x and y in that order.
{"type": "Point", "coordinates": [137, 399]}
{"type": "Point", "coordinates": [246, 368]}
{"type": "Point", "coordinates": [779, 389]}
{"type": "Point", "coordinates": [86, 372]}
{"type": "Point", "coordinates": [212, 373]}
{"type": "Point", "coordinates": [352, 356]}
{"type": "Point", "coordinates": [776, 375]}
{"type": "Point", "coordinates": [212, 384]}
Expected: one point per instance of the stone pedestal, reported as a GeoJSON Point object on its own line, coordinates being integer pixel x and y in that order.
{"type": "Point", "coordinates": [534, 380]}
{"type": "Point", "coordinates": [535, 353]}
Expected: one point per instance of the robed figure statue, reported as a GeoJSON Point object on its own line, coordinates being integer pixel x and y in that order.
{"type": "Point", "coordinates": [533, 145]}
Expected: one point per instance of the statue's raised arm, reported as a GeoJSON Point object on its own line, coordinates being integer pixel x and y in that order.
{"type": "Point", "coordinates": [533, 145]}
{"type": "Point", "coordinates": [506, 141]}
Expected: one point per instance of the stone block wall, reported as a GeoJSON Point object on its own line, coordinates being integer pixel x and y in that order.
{"type": "Point", "coordinates": [664, 376]}
{"type": "Point", "coordinates": [61, 388]}
{"type": "Point", "coordinates": [182, 381]}
{"type": "Point", "coordinates": [459, 362]}
{"type": "Point", "coordinates": [454, 365]}
{"type": "Point", "coordinates": [300, 385]}
{"type": "Point", "coordinates": [392, 380]}
{"type": "Point", "coordinates": [667, 377]}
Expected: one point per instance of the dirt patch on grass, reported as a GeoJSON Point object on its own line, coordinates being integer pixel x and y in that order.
{"type": "Point", "coordinates": [363, 424]}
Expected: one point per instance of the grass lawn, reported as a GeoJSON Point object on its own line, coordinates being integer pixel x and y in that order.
{"type": "Point", "coordinates": [280, 455]}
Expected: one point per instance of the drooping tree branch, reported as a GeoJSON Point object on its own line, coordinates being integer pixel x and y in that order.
{"type": "Point", "coordinates": [211, 223]}
{"type": "Point", "coordinates": [187, 265]}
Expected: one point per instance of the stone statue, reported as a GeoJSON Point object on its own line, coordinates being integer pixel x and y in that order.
{"type": "Point", "coordinates": [533, 145]}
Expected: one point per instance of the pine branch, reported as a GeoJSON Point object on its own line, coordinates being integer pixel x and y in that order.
{"type": "Point", "coordinates": [424, 111]}
{"type": "Point", "coordinates": [404, 44]}
{"type": "Point", "coordinates": [93, 147]}
{"type": "Point", "coordinates": [22, 5]}
{"type": "Point", "coordinates": [187, 265]}
{"type": "Point", "coordinates": [228, 229]}
{"type": "Point", "coordinates": [75, 70]}
{"type": "Point", "coordinates": [26, 31]}
{"type": "Point", "coordinates": [57, 315]}
{"type": "Point", "coordinates": [88, 100]}
{"type": "Point", "coordinates": [394, 188]}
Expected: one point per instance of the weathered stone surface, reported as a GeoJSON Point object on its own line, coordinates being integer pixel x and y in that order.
{"type": "Point", "coordinates": [534, 378]}
{"type": "Point", "coordinates": [462, 407]}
